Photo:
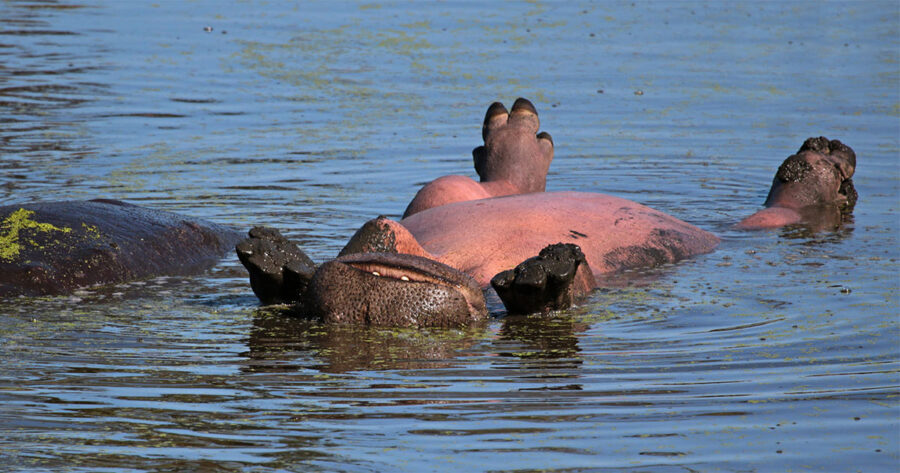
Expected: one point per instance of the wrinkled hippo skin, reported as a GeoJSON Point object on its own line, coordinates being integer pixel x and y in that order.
{"type": "Point", "coordinates": [485, 237]}
{"type": "Point", "coordinates": [393, 289]}
{"type": "Point", "coordinates": [514, 159]}
{"type": "Point", "coordinates": [360, 288]}
{"type": "Point", "coordinates": [478, 239]}
{"type": "Point", "coordinates": [56, 247]}
{"type": "Point", "coordinates": [492, 230]}
{"type": "Point", "coordinates": [576, 236]}
{"type": "Point", "coordinates": [813, 187]}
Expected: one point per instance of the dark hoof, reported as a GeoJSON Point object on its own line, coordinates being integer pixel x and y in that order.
{"type": "Point", "coordinates": [545, 136]}
{"type": "Point", "coordinates": [549, 281]}
{"type": "Point", "coordinates": [279, 271]}
{"type": "Point", "coordinates": [844, 159]}
{"type": "Point", "coordinates": [523, 105]}
{"type": "Point", "coordinates": [495, 110]}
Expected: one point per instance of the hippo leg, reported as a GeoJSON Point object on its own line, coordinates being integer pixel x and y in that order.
{"type": "Point", "coordinates": [514, 159]}
{"type": "Point", "coordinates": [553, 280]}
{"type": "Point", "coordinates": [279, 270]}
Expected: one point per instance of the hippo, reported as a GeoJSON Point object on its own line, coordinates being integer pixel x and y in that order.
{"type": "Point", "coordinates": [53, 248]}
{"type": "Point", "coordinates": [539, 251]}
{"type": "Point", "coordinates": [812, 187]}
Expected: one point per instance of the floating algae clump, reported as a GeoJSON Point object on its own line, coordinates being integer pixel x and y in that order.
{"type": "Point", "coordinates": [10, 244]}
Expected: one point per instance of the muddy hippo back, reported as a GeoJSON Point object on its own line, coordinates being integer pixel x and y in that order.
{"type": "Point", "coordinates": [485, 237]}
{"type": "Point", "coordinates": [57, 247]}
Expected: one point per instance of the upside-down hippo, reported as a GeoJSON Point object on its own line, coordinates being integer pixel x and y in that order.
{"type": "Point", "coordinates": [539, 250]}
{"type": "Point", "coordinates": [56, 247]}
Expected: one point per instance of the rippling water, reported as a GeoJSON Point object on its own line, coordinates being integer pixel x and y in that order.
{"type": "Point", "coordinates": [778, 352]}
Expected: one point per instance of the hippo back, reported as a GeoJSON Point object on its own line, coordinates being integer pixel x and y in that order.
{"type": "Point", "coordinates": [56, 247]}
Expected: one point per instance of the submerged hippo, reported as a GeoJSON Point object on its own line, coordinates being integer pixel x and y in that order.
{"type": "Point", "coordinates": [539, 250]}
{"type": "Point", "coordinates": [56, 247]}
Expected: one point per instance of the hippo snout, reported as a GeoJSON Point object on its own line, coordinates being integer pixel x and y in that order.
{"type": "Point", "coordinates": [393, 289]}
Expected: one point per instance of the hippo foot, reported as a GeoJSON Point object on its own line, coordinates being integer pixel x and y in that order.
{"type": "Point", "coordinates": [279, 270]}
{"type": "Point", "coordinates": [553, 280]}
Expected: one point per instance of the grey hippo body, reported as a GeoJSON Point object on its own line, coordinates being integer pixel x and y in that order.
{"type": "Point", "coordinates": [53, 248]}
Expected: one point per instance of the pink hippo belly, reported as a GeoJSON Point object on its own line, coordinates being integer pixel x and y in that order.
{"type": "Point", "coordinates": [485, 237]}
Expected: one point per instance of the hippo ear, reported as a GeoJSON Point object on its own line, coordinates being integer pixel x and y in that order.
{"type": "Point", "coordinates": [479, 156]}
{"type": "Point", "coordinates": [496, 116]}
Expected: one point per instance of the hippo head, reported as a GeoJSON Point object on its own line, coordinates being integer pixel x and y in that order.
{"type": "Point", "coordinates": [393, 289]}
{"type": "Point", "coordinates": [361, 288]}
{"type": "Point", "coordinates": [513, 149]}
{"type": "Point", "coordinates": [818, 175]}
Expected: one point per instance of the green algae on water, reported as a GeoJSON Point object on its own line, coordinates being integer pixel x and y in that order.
{"type": "Point", "coordinates": [10, 242]}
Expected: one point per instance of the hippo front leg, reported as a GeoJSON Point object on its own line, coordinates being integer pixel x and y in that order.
{"type": "Point", "coordinates": [279, 270]}
{"type": "Point", "coordinates": [553, 280]}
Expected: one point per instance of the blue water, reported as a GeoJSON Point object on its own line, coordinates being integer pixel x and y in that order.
{"type": "Point", "coordinates": [778, 352]}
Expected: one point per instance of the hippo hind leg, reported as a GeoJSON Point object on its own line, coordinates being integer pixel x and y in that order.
{"type": "Point", "coordinates": [553, 280]}
{"type": "Point", "coordinates": [279, 270]}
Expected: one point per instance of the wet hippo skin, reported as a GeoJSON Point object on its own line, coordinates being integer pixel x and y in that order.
{"type": "Point", "coordinates": [485, 237]}
{"type": "Point", "coordinates": [813, 187]}
{"type": "Point", "coordinates": [56, 247]}
{"type": "Point", "coordinates": [543, 250]}
{"type": "Point", "coordinates": [365, 287]}
{"type": "Point", "coordinates": [393, 289]}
